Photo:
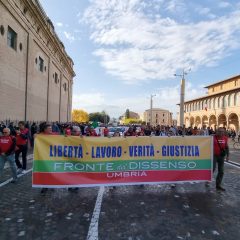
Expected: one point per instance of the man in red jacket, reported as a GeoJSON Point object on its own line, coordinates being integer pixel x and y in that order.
{"type": "Point", "coordinates": [221, 150]}
{"type": "Point", "coordinates": [7, 148]}
{"type": "Point", "coordinates": [22, 144]}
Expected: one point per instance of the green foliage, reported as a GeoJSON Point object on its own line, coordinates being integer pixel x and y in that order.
{"type": "Point", "coordinates": [99, 117]}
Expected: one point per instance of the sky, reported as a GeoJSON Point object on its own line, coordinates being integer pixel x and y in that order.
{"type": "Point", "coordinates": [126, 50]}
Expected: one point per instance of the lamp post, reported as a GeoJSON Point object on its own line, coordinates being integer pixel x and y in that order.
{"type": "Point", "coordinates": [182, 95]}
{"type": "Point", "coordinates": [151, 104]}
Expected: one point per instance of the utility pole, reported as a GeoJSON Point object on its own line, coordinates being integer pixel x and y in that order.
{"type": "Point", "coordinates": [151, 105]}
{"type": "Point", "coordinates": [182, 95]}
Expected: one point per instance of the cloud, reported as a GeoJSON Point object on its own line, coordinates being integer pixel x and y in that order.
{"type": "Point", "coordinates": [59, 24]}
{"type": "Point", "coordinates": [223, 4]}
{"type": "Point", "coordinates": [88, 100]}
{"type": "Point", "coordinates": [176, 6]}
{"type": "Point", "coordinates": [137, 43]}
{"type": "Point", "coordinates": [69, 36]}
{"type": "Point", "coordinates": [166, 98]}
{"type": "Point", "coordinates": [204, 11]}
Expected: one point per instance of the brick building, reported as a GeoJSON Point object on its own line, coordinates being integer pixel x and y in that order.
{"type": "Point", "coordinates": [36, 74]}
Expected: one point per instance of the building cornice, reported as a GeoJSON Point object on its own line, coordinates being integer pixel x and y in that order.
{"type": "Point", "coordinates": [223, 81]}
{"type": "Point", "coordinates": [212, 95]}
{"type": "Point", "coordinates": [37, 11]}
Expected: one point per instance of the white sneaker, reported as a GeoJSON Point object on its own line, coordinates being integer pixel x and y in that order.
{"type": "Point", "coordinates": [24, 171]}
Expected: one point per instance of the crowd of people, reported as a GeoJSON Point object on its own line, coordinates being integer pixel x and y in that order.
{"type": "Point", "coordinates": [16, 139]}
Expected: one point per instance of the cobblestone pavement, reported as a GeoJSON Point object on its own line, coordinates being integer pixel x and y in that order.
{"type": "Point", "coordinates": [234, 153]}
{"type": "Point", "coordinates": [189, 211]}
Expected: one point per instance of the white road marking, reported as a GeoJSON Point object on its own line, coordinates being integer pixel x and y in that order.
{"type": "Point", "coordinates": [93, 228]}
{"type": "Point", "coordinates": [233, 165]}
{"type": "Point", "coordinates": [10, 179]}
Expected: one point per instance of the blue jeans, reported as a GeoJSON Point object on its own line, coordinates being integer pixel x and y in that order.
{"type": "Point", "coordinates": [11, 160]}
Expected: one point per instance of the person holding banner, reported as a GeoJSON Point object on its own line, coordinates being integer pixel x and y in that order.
{"type": "Point", "coordinates": [45, 129]}
{"type": "Point", "coordinates": [76, 131]}
{"type": "Point", "coordinates": [130, 132]}
{"type": "Point", "coordinates": [221, 150]}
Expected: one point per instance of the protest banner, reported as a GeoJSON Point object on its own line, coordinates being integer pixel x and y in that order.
{"type": "Point", "coordinates": [61, 161]}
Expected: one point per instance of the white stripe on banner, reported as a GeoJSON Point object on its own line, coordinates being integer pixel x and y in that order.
{"type": "Point", "coordinates": [93, 228]}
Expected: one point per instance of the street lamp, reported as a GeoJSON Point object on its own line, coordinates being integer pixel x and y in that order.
{"type": "Point", "coordinates": [182, 94]}
{"type": "Point", "coordinates": [151, 104]}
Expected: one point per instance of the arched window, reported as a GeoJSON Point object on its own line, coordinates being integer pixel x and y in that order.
{"type": "Point", "coordinates": [229, 100]}
{"type": "Point", "coordinates": [212, 103]}
{"type": "Point", "coordinates": [224, 101]}
{"type": "Point", "coordinates": [205, 104]}
{"type": "Point", "coordinates": [238, 99]}
{"type": "Point", "coordinates": [235, 100]}
{"type": "Point", "coordinates": [209, 103]}
{"type": "Point", "coordinates": [218, 105]}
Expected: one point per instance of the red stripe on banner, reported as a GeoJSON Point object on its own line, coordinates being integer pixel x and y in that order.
{"type": "Point", "coordinates": [77, 178]}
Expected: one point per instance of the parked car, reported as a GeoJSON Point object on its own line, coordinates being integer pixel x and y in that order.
{"type": "Point", "coordinates": [121, 130]}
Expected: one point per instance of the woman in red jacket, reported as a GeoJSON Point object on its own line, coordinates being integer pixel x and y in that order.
{"type": "Point", "coordinates": [7, 148]}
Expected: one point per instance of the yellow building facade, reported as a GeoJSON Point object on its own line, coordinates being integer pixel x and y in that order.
{"type": "Point", "coordinates": [158, 116]}
{"type": "Point", "coordinates": [220, 108]}
{"type": "Point", "coordinates": [36, 73]}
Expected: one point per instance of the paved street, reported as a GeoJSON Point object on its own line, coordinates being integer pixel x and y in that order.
{"type": "Point", "coordinates": [189, 211]}
{"type": "Point", "coordinates": [235, 154]}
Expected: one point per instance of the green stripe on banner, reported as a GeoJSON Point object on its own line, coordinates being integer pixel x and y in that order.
{"type": "Point", "coordinates": [124, 165]}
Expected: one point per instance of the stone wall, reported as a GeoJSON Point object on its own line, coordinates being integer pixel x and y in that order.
{"type": "Point", "coordinates": [36, 75]}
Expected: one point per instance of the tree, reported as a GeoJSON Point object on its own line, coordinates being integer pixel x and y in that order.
{"type": "Point", "coordinates": [127, 113]}
{"type": "Point", "coordinates": [99, 117]}
{"type": "Point", "coordinates": [79, 116]}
